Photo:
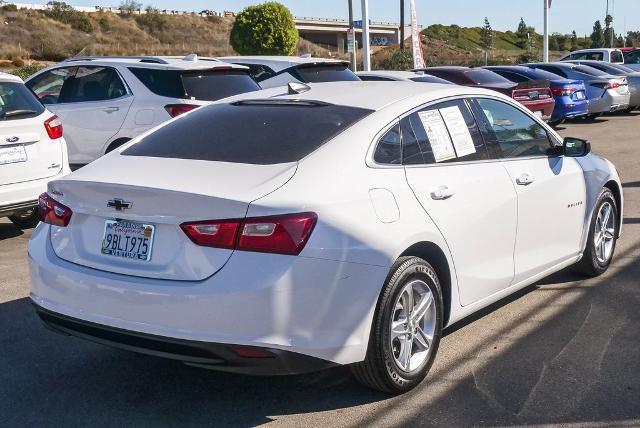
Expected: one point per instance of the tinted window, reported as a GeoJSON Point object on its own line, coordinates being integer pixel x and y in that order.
{"type": "Point", "coordinates": [616, 56]}
{"type": "Point", "coordinates": [375, 79]}
{"type": "Point", "coordinates": [259, 72]}
{"type": "Point", "coordinates": [17, 102]}
{"type": "Point", "coordinates": [513, 76]}
{"type": "Point", "coordinates": [554, 70]}
{"type": "Point", "coordinates": [589, 70]}
{"type": "Point", "coordinates": [197, 85]}
{"type": "Point", "coordinates": [48, 85]}
{"type": "Point", "coordinates": [632, 57]}
{"type": "Point", "coordinates": [512, 132]}
{"type": "Point", "coordinates": [451, 76]}
{"type": "Point", "coordinates": [256, 132]}
{"type": "Point", "coordinates": [323, 73]}
{"type": "Point", "coordinates": [446, 132]}
{"type": "Point", "coordinates": [92, 84]}
{"type": "Point", "coordinates": [484, 77]}
{"type": "Point", "coordinates": [582, 56]}
{"type": "Point", "coordinates": [430, 79]}
{"type": "Point", "coordinates": [388, 150]}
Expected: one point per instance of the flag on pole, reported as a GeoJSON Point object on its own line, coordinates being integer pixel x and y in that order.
{"type": "Point", "coordinates": [416, 41]}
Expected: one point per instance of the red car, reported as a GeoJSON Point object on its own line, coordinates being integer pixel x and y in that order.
{"type": "Point", "coordinates": [537, 97]}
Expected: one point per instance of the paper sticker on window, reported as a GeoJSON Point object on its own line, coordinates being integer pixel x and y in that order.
{"type": "Point", "coordinates": [439, 139]}
{"type": "Point", "coordinates": [459, 131]}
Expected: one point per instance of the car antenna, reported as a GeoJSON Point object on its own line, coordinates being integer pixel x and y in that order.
{"type": "Point", "coordinates": [294, 88]}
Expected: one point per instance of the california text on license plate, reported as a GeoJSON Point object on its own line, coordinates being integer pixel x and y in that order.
{"type": "Point", "coordinates": [127, 239]}
{"type": "Point", "coordinates": [12, 154]}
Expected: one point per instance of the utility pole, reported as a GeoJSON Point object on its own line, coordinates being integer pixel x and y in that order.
{"type": "Point", "coordinates": [546, 31]}
{"type": "Point", "coordinates": [401, 24]}
{"type": "Point", "coordinates": [354, 53]}
{"type": "Point", "coordinates": [366, 49]}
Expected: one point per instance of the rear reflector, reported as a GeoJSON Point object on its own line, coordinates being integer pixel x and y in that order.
{"type": "Point", "coordinates": [53, 125]}
{"type": "Point", "coordinates": [177, 109]}
{"type": "Point", "coordinates": [284, 234]}
{"type": "Point", "coordinates": [53, 212]}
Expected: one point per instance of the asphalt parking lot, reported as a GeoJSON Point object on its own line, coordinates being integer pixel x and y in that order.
{"type": "Point", "coordinates": [564, 351]}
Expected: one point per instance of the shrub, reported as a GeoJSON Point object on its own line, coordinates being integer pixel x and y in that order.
{"type": "Point", "coordinates": [62, 12]}
{"type": "Point", "coordinates": [9, 8]}
{"type": "Point", "coordinates": [129, 7]}
{"type": "Point", "coordinates": [264, 29]}
{"type": "Point", "coordinates": [18, 62]}
{"type": "Point", "coordinates": [26, 71]}
{"type": "Point", "coordinates": [400, 59]}
{"type": "Point", "coordinates": [153, 21]}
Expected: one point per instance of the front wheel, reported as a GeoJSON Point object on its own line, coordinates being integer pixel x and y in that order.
{"type": "Point", "coordinates": [26, 219]}
{"type": "Point", "coordinates": [603, 235]}
{"type": "Point", "coordinates": [406, 329]}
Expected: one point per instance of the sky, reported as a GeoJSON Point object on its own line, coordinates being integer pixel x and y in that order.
{"type": "Point", "coordinates": [566, 15]}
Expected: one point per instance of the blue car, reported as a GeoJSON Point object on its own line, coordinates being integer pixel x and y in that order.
{"type": "Point", "coordinates": [570, 95]}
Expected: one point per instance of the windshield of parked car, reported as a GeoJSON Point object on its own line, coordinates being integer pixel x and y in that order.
{"type": "Point", "coordinates": [312, 73]}
{"type": "Point", "coordinates": [204, 85]}
{"type": "Point", "coordinates": [484, 77]}
{"type": "Point", "coordinates": [17, 102]}
{"type": "Point", "coordinates": [262, 132]}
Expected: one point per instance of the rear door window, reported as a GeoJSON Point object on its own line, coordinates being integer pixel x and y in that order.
{"type": "Point", "coordinates": [204, 85]}
{"type": "Point", "coordinates": [17, 102]}
{"type": "Point", "coordinates": [92, 83]}
{"type": "Point", "coordinates": [261, 132]}
{"type": "Point", "coordinates": [443, 133]}
{"type": "Point", "coordinates": [48, 85]}
{"type": "Point", "coordinates": [313, 73]}
{"type": "Point", "coordinates": [509, 132]}
{"type": "Point", "coordinates": [616, 56]}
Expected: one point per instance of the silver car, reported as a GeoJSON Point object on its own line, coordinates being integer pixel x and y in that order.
{"type": "Point", "coordinates": [606, 93]}
{"type": "Point", "coordinates": [633, 78]}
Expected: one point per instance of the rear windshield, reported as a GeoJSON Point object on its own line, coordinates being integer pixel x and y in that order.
{"type": "Point", "coordinates": [204, 85]}
{"type": "Point", "coordinates": [261, 132]}
{"type": "Point", "coordinates": [430, 79]}
{"type": "Point", "coordinates": [314, 73]}
{"type": "Point", "coordinates": [484, 77]}
{"type": "Point", "coordinates": [17, 102]}
{"type": "Point", "coordinates": [589, 70]}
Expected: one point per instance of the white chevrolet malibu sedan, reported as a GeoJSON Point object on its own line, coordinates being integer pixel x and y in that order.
{"type": "Point", "coordinates": [285, 231]}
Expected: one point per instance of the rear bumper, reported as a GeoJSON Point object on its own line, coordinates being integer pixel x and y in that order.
{"type": "Point", "coordinates": [545, 107]}
{"type": "Point", "coordinates": [610, 102]}
{"type": "Point", "coordinates": [18, 196]}
{"type": "Point", "coordinates": [314, 307]}
{"type": "Point", "coordinates": [215, 356]}
{"type": "Point", "coordinates": [566, 109]}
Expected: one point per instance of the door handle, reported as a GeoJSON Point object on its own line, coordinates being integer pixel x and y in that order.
{"type": "Point", "coordinates": [525, 179]}
{"type": "Point", "coordinates": [442, 193]}
{"type": "Point", "coordinates": [110, 109]}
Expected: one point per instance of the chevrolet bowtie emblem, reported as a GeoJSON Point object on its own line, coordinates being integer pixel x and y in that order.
{"type": "Point", "coordinates": [119, 204]}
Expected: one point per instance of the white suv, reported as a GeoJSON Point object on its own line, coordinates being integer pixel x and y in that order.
{"type": "Point", "coordinates": [32, 151]}
{"type": "Point", "coordinates": [106, 101]}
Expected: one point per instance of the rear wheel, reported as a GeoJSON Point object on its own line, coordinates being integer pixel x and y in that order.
{"type": "Point", "coordinates": [555, 123]}
{"type": "Point", "coordinates": [603, 235]}
{"type": "Point", "coordinates": [26, 219]}
{"type": "Point", "coordinates": [406, 329]}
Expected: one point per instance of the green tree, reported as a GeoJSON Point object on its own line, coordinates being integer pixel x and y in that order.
{"type": "Point", "coordinates": [61, 11]}
{"type": "Point", "coordinates": [574, 41]}
{"type": "Point", "coordinates": [264, 29]}
{"type": "Point", "coordinates": [129, 7]}
{"type": "Point", "coordinates": [597, 36]}
{"type": "Point", "coordinates": [401, 59]}
{"type": "Point", "coordinates": [152, 20]}
{"type": "Point", "coordinates": [522, 34]}
{"type": "Point", "coordinates": [609, 34]}
{"type": "Point", "coordinates": [554, 45]}
{"type": "Point", "coordinates": [486, 35]}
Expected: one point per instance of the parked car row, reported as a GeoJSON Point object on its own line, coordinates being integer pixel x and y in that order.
{"type": "Point", "coordinates": [322, 221]}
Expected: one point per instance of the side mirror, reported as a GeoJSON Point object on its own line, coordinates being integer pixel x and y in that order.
{"type": "Point", "coordinates": [575, 147]}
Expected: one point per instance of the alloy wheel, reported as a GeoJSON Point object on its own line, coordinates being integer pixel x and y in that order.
{"type": "Point", "coordinates": [604, 233]}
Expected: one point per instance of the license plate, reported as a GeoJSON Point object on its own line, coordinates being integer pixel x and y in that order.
{"type": "Point", "coordinates": [12, 154]}
{"type": "Point", "coordinates": [127, 239]}
{"type": "Point", "coordinates": [579, 95]}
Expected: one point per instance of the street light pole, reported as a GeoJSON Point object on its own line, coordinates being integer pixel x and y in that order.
{"type": "Point", "coordinates": [401, 24]}
{"type": "Point", "coordinates": [366, 49]}
{"type": "Point", "coordinates": [546, 31]}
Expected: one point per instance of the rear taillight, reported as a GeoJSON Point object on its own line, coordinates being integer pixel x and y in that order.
{"type": "Point", "coordinates": [563, 92]}
{"type": "Point", "coordinates": [177, 109]}
{"type": "Point", "coordinates": [284, 234]}
{"type": "Point", "coordinates": [607, 85]}
{"type": "Point", "coordinates": [53, 125]}
{"type": "Point", "coordinates": [53, 212]}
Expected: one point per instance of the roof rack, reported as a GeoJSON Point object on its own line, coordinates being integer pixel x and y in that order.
{"type": "Point", "coordinates": [147, 59]}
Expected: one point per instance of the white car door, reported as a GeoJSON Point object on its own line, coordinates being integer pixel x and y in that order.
{"type": "Point", "coordinates": [468, 196]}
{"type": "Point", "coordinates": [551, 188]}
{"type": "Point", "coordinates": [92, 102]}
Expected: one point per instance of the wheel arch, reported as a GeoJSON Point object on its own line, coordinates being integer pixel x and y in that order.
{"type": "Point", "coordinates": [435, 256]}
{"type": "Point", "coordinates": [617, 195]}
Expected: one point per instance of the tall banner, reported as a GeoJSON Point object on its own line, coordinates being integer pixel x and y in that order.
{"type": "Point", "coordinates": [416, 41]}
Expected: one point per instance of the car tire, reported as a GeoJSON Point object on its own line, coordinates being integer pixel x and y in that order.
{"type": "Point", "coordinates": [27, 219]}
{"type": "Point", "coordinates": [386, 366]}
{"type": "Point", "coordinates": [554, 123]}
{"type": "Point", "coordinates": [602, 237]}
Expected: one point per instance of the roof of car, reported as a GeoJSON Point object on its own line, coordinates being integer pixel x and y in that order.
{"type": "Point", "coordinates": [278, 63]}
{"type": "Point", "coordinates": [6, 77]}
{"type": "Point", "coordinates": [370, 95]}
{"type": "Point", "coordinates": [189, 62]}
{"type": "Point", "coordinates": [595, 50]}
